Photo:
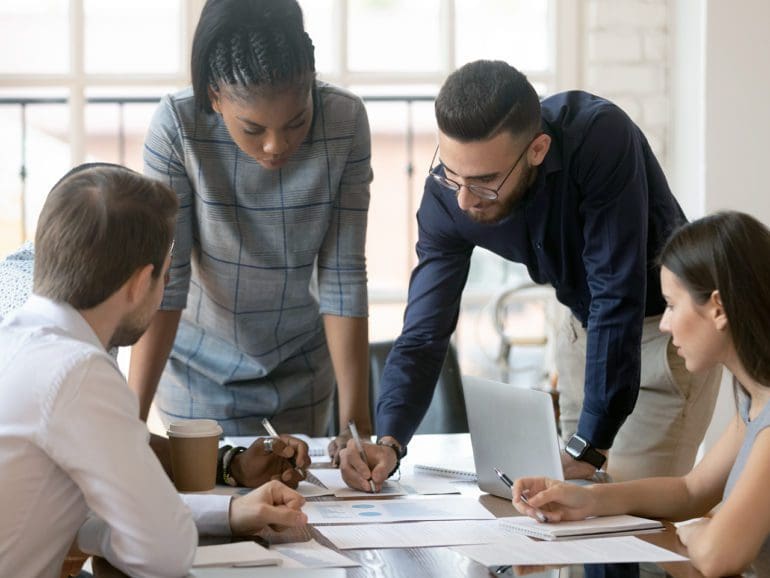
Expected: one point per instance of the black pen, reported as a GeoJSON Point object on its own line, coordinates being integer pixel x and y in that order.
{"type": "Point", "coordinates": [273, 433]}
{"type": "Point", "coordinates": [541, 517]}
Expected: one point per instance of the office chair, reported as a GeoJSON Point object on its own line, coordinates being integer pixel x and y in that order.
{"type": "Point", "coordinates": [446, 413]}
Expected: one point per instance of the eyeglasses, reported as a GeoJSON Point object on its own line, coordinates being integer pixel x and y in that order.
{"type": "Point", "coordinates": [167, 275]}
{"type": "Point", "coordinates": [482, 192]}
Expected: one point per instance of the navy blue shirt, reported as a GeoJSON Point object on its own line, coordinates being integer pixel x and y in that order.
{"type": "Point", "coordinates": [591, 225]}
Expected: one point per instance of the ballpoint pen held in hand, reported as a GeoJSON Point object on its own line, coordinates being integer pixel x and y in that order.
{"type": "Point", "coordinates": [357, 440]}
{"type": "Point", "coordinates": [541, 517]}
{"type": "Point", "coordinates": [273, 433]}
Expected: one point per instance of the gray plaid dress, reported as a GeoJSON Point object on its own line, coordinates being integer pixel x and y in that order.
{"type": "Point", "coordinates": [260, 255]}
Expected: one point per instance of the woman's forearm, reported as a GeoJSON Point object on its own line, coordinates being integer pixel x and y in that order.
{"type": "Point", "coordinates": [149, 356]}
{"type": "Point", "coordinates": [348, 342]}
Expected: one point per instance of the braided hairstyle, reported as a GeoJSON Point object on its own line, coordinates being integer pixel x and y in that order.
{"type": "Point", "coordinates": [250, 47]}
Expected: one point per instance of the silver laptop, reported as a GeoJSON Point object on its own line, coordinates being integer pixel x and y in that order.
{"type": "Point", "coordinates": [513, 429]}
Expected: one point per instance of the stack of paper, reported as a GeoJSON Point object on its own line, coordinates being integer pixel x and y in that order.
{"type": "Point", "coordinates": [237, 554]}
{"type": "Point", "coordinates": [520, 550]}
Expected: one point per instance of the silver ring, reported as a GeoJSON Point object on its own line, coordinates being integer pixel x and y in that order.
{"type": "Point", "coordinates": [268, 445]}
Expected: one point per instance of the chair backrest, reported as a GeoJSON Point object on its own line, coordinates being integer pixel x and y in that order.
{"type": "Point", "coordinates": [446, 413]}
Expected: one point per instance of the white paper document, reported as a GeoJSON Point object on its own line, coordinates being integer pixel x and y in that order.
{"type": "Point", "coordinates": [406, 510]}
{"type": "Point", "coordinates": [267, 572]}
{"type": "Point", "coordinates": [427, 486]}
{"type": "Point", "coordinates": [235, 554]}
{"type": "Point", "coordinates": [332, 479]}
{"type": "Point", "coordinates": [310, 490]}
{"type": "Point", "coordinates": [311, 554]}
{"type": "Point", "coordinates": [413, 534]}
{"type": "Point", "coordinates": [520, 550]}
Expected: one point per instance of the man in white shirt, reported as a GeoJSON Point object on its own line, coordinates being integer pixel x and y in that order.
{"type": "Point", "coordinates": [75, 463]}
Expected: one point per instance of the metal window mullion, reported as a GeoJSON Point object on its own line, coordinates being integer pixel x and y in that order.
{"type": "Point", "coordinates": [567, 43]}
{"type": "Point", "coordinates": [447, 35]}
{"type": "Point", "coordinates": [340, 23]}
{"type": "Point", "coordinates": [77, 100]}
{"type": "Point", "coordinates": [191, 11]}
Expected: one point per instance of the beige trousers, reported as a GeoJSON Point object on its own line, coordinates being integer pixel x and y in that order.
{"type": "Point", "coordinates": [673, 410]}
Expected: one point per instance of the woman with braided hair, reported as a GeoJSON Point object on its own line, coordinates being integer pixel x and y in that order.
{"type": "Point", "coordinates": [266, 307]}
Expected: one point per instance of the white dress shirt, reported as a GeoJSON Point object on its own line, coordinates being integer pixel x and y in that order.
{"type": "Point", "coordinates": [75, 459]}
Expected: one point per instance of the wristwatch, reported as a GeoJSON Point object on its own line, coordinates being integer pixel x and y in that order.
{"type": "Point", "coordinates": [580, 449]}
{"type": "Point", "coordinates": [400, 453]}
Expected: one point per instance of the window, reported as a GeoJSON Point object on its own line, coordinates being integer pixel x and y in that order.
{"type": "Point", "coordinates": [91, 87]}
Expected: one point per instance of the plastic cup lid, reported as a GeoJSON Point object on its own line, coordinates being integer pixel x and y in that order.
{"type": "Point", "coordinates": [194, 428]}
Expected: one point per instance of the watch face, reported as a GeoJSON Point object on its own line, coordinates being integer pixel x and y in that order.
{"type": "Point", "coordinates": [576, 446]}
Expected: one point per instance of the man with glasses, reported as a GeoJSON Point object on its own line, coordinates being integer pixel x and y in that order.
{"type": "Point", "coordinates": [570, 188]}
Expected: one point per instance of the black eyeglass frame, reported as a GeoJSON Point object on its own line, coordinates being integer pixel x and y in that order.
{"type": "Point", "coordinates": [480, 191]}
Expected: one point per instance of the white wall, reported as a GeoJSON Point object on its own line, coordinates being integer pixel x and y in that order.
{"type": "Point", "coordinates": [737, 106]}
{"type": "Point", "coordinates": [721, 114]}
{"type": "Point", "coordinates": [687, 171]}
{"type": "Point", "coordinates": [626, 59]}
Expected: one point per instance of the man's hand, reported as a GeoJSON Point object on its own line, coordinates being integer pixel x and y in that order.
{"type": "Point", "coordinates": [380, 461]}
{"type": "Point", "coordinates": [272, 504]}
{"type": "Point", "coordinates": [577, 470]}
{"type": "Point", "coordinates": [258, 464]}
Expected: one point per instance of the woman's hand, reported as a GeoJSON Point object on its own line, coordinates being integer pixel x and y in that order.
{"type": "Point", "coordinates": [559, 501]}
{"type": "Point", "coordinates": [272, 504]}
{"type": "Point", "coordinates": [261, 463]}
{"type": "Point", "coordinates": [337, 445]}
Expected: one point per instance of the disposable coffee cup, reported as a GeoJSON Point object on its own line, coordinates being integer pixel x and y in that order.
{"type": "Point", "coordinates": [194, 445]}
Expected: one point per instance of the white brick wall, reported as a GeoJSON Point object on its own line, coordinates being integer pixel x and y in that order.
{"type": "Point", "coordinates": [626, 59]}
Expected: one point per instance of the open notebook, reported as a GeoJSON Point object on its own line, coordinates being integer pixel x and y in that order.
{"type": "Point", "coordinates": [592, 527]}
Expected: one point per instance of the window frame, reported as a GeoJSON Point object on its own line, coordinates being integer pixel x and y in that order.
{"type": "Point", "coordinates": [564, 72]}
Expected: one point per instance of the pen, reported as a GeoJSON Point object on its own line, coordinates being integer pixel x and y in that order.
{"type": "Point", "coordinates": [273, 433]}
{"type": "Point", "coordinates": [507, 481]}
{"type": "Point", "coordinates": [357, 440]}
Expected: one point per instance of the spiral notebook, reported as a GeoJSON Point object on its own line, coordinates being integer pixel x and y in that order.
{"type": "Point", "coordinates": [590, 528]}
{"type": "Point", "coordinates": [465, 472]}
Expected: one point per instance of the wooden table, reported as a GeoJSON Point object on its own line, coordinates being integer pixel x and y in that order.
{"type": "Point", "coordinates": [438, 562]}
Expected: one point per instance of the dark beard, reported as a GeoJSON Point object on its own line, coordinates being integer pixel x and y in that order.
{"type": "Point", "coordinates": [511, 202]}
{"type": "Point", "coordinates": [127, 333]}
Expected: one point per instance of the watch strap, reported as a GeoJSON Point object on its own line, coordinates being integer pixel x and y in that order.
{"type": "Point", "coordinates": [399, 451]}
{"type": "Point", "coordinates": [593, 456]}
